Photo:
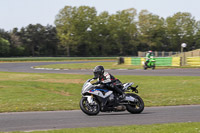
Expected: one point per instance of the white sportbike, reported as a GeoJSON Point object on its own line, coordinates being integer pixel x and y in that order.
{"type": "Point", "coordinates": [94, 99]}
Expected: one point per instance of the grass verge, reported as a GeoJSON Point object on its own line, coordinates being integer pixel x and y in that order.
{"type": "Point", "coordinates": [42, 92]}
{"type": "Point", "coordinates": [154, 128]}
{"type": "Point", "coordinates": [54, 58]}
{"type": "Point", "coordinates": [107, 65]}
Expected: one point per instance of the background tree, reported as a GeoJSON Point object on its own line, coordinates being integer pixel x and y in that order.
{"type": "Point", "coordinates": [99, 35]}
{"type": "Point", "coordinates": [39, 40]}
{"type": "Point", "coordinates": [4, 47]}
{"type": "Point", "coordinates": [181, 28]}
{"type": "Point", "coordinates": [197, 36]}
{"type": "Point", "coordinates": [151, 31]}
{"type": "Point", "coordinates": [72, 24]}
{"type": "Point", "coordinates": [31, 37]}
{"type": "Point", "coordinates": [49, 41]}
{"type": "Point", "coordinates": [4, 43]}
{"type": "Point", "coordinates": [123, 31]}
{"type": "Point", "coordinates": [4, 34]}
{"type": "Point", "coordinates": [80, 31]}
{"type": "Point", "coordinates": [16, 46]}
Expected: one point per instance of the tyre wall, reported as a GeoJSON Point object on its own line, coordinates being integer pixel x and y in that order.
{"type": "Point", "coordinates": [160, 61]}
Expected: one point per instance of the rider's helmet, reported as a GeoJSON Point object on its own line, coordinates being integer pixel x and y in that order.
{"type": "Point", "coordinates": [98, 71]}
{"type": "Point", "coordinates": [150, 52]}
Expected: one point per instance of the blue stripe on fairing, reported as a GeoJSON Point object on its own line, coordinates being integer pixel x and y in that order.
{"type": "Point", "coordinates": [99, 90]}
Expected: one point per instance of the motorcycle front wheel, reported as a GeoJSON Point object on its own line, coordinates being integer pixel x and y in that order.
{"type": "Point", "coordinates": [88, 108]}
{"type": "Point", "coordinates": [137, 106]}
{"type": "Point", "coordinates": [145, 67]}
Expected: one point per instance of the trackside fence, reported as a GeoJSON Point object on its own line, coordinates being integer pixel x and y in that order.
{"type": "Point", "coordinates": [193, 61]}
{"type": "Point", "coordinates": [160, 61]}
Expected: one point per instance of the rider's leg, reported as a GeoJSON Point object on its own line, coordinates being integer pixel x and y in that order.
{"type": "Point", "coordinates": [119, 91]}
{"type": "Point", "coordinates": [147, 61]}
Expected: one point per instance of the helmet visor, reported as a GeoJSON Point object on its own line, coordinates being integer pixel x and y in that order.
{"type": "Point", "coordinates": [95, 75]}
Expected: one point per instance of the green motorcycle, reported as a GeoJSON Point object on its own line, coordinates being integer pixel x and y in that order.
{"type": "Point", "coordinates": [150, 64]}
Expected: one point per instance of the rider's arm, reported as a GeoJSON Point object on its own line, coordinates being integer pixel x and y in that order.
{"type": "Point", "coordinates": [107, 78]}
{"type": "Point", "coordinates": [147, 56]}
{"type": "Point", "coordinates": [97, 82]}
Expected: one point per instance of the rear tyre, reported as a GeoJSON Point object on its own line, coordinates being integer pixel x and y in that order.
{"type": "Point", "coordinates": [135, 107]}
{"type": "Point", "coordinates": [88, 108]}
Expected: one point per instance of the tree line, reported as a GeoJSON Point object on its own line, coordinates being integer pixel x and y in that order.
{"type": "Point", "coordinates": [80, 31]}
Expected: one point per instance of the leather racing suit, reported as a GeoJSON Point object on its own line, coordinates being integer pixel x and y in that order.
{"type": "Point", "coordinates": [109, 81]}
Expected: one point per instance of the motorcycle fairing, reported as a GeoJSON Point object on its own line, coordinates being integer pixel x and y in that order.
{"type": "Point", "coordinates": [126, 85]}
{"type": "Point", "coordinates": [101, 92]}
{"type": "Point", "coordinates": [129, 98]}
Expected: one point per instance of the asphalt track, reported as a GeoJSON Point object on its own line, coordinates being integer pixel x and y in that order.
{"type": "Point", "coordinates": [27, 67]}
{"type": "Point", "coordinates": [26, 121]}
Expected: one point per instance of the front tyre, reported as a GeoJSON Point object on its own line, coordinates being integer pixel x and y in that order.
{"type": "Point", "coordinates": [137, 106]}
{"type": "Point", "coordinates": [145, 67]}
{"type": "Point", "coordinates": [153, 68]}
{"type": "Point", "coordinates": [88, 108]}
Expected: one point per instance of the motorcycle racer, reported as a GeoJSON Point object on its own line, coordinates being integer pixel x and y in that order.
{"type": "Point", "coordinates": [107, 80]}
{"type": "Point", "coordinates": [148, 55]}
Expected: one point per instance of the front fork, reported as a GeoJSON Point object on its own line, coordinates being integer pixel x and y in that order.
{"type": "Point", "coordinates": [90, 99]}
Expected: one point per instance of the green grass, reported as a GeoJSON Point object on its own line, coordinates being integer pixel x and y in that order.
{"type": "Point", "coordinates": [107, 65]}
{"type": "Point", "coordinates": [54, 58]}
{"type": "Point", "coordinates": [154, 128]}
{"type": "Point", "coordinates": [42, 92]}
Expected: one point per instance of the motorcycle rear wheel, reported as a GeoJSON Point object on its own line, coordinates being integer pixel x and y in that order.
{"type": "Point", "coordinates": [89, 109]}
{"type": "Point", "coordinates": [137, 107]}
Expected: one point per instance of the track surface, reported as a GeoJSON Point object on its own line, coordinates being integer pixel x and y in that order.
{"type": "Point", "coordinates": [26, 67]}
{"type": "Point", "coordinates": [73, 119]}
